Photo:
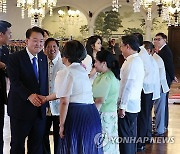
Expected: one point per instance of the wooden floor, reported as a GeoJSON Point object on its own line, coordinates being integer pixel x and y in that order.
{"type": "Point", "coordinates": [173, 130]}
{"type": "Point", "coordinates": [155, 148]}
{"type": "Point", "coordinates": [173, 133]}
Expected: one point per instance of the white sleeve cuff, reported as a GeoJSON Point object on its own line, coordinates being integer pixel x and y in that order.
{"type": "Point", "coordinates": [122, 106]}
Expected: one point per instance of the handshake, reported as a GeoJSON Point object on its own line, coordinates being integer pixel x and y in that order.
{"type": "Point", "coordinates": [37, 100]}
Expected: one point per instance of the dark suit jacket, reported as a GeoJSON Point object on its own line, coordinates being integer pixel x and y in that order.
{"type": "Point", "coordinates": [3, 75]}
{"type": "Point", "coordinates": [24, 83]}
{"type": "Point", "coordinates": [166, 54]}
{"type": "Point", "coordinates": [116, 50]}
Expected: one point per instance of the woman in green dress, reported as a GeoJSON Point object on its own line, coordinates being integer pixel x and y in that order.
{"type": "Point", "coordinates": [105, 93]}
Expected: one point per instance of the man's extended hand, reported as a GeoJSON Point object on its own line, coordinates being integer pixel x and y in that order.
{"type": "Point", "coordinates": [2, 65]}
{"type": "Point", "coordinates": [34, 99]}
{"type": "Point", "coordinates": [43, 99]}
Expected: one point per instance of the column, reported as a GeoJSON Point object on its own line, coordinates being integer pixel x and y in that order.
{"type": "Point", "coordinates": [91, 30]}
{"type": "Point", "coordinates": [148, 27]}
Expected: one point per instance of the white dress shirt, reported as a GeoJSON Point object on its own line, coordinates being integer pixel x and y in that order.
{"type": "Point", "coordinates": [162, 46]}
{"type": "Point", "coordinates": [131, 84]}
{"type": "Point", "coordinates": [53, 67]}
{"type": "Point", "coordinates": [162, 73]}
{"type": "Point", "coordinates": [148, 79]}
{"type": "Point", "coordinates": [73, 82]}
{"type": "Point", "coordinates": [156, 79]}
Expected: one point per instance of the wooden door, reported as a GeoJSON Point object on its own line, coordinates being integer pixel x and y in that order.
{"type": "Point", "coordinates": [174, 43]}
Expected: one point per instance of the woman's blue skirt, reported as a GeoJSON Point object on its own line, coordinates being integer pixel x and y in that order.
{"type": "Point", "coordinates": [81, 126]}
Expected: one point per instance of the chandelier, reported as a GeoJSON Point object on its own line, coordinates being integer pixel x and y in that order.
{"type": "Point", "coordinates": [115, 5]}
{"type": "Point", "coordinates": [3, 6]}
{"type": "Point", "coordinates": [171, 14]}
{"type": "Point", "coordinates": [146, 4]}
{"type": "Point", "coordinates": [36, 8]}
{"type": "Point", "coordinates": [164, 7]}
{"type": "Point", "coordinates": [68, 15]}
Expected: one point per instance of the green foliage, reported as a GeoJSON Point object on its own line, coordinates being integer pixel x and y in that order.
{"type": "Point", "coordinates": [106, 23]}
{"type": "Point", "coordinates": [84, 30]}
{"type": "Point", "coordinates": [155, 23]}
{"type": "Point", "coordinates": [133, 30]}
{"type": "Point", "coordinates": [99, 24]}
{"type": "Point", "coordinates": [59, 33]}
{"type": "Point", "coordinates": [143, 23]}
{"type": "Point", "coordinates": [112, 21]}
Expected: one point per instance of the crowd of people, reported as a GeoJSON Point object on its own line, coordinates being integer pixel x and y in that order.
{"type": "Point", "coordinates": [84, 92]}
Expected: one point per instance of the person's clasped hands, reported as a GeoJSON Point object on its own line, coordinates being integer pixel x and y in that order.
{"type": "Point", "coordinates": [37, 100]}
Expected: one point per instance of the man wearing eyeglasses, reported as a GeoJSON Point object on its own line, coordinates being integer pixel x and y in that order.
{"type": "Point", "coordinates": [166, 54]}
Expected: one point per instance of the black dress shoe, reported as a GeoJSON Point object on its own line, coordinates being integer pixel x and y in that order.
{"type": "Point", "coordinates": [140, 149]}
{"type": "Point", "coordinates": [158, 135]}
{"type": "Point", "coordinates": [165, 130]}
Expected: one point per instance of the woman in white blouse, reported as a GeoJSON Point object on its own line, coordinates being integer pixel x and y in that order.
{"type": "Point", "coordinates": [79, 118]}
{"type": "Point", "coordinates": [93, 45]}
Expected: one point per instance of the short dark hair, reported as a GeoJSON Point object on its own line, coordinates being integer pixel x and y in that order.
{"type": "Point", "coordinates": [148, 45]}
{"type": "Point", "coordinates": [112, 63]}
{"type": "Point", "coordinates": [132, 40]}
{"type": "Point", "coordinates": [140, 38]}
{"type": "Point", "coordinates": [164, 36]}
{"type": "Point", "coordinates": [46, 31]}
{"type": "Point", "coordinates": [49, 40]}
{"type": "Point", "coordinates": [34, 29]}
{"type": "Point", "coordinates": [74, 51]}
{"type": "Point", "coordinates": [4, 25]}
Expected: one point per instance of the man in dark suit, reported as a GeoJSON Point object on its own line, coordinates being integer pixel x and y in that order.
{"type": "Point", "coordinates": [165, 53]}
{"type": "Point", "coordinates": [28, 73]}
{"type": "Point", "coordinates": [5, 35]}
{"type": "Point", "coordinates": [115, 49]}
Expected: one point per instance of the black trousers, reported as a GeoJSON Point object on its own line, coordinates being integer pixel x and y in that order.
{"type": "Point", "coordinates": [33, 129]}
{"type": "Point", "coordinates": [1, 127]}
{"type": "Point", "coordinates": [46, 144]}
{"type": "Point", "coordinates": [150, 128]}
{"type": "Point", "coordinates": [144, 117]}
{"type": "Point", "coordinates": [127, 127]}
{"type": "Point", "coordinates": [166, 112]}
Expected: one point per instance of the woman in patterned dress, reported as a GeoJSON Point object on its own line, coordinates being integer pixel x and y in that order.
{"type": "Point", "coordinates": [105, 93]}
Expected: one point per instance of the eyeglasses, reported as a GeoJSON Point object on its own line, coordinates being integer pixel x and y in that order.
{"type": "Point", "coordinates": [158, 39]}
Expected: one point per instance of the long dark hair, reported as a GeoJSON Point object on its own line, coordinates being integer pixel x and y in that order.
{"type": "Point", "coordinates": [91, 42]}
{"type": "Point", "coordinates": [112, 63]}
